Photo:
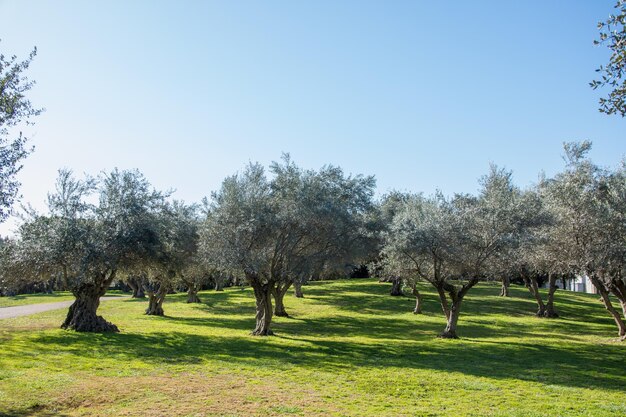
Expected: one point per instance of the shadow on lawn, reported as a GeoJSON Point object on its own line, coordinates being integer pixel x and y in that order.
{"type": "Point", "coordinates": [382, 339]}
{"type": "Point", "coordinates": [576, 365]}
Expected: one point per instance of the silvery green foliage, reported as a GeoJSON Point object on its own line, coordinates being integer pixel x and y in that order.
{"type": "Point", "coordinates": [174, 254]}
{"type": "Point", "coordinates": [612, 75]}
{"type": "Point", "coordinates": [85, 242]}
{"type": "Point", "coordinates": [441, 238]}
{"type": "Point", "coordinates": [288, 225]}
{"type": "Point", "coordinates": [15, 110]}
{"type": "Point", "coordinates": [588, 203]}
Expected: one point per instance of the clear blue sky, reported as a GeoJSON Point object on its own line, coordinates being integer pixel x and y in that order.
{"type": "Point", "coordinates": [423, 95]}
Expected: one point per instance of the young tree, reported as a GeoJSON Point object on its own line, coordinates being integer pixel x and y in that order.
{"type": "Point", "coordinates": [613, 35]}
{"type": "Point", "coordinates": [15, 110]}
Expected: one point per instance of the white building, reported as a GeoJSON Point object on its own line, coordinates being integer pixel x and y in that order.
{"type": "Point", "coordinates": [581, 283]}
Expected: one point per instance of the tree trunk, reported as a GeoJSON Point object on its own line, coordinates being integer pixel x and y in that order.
{"type": "Point", "coordinates": [279, 291]}
{"type": "Point", "coordinates": [396, 286]}
{"type": "Point", "coordinates": [506, 282]}
{"type": "Point", "coordinates": [263, 296]}
{"type": "Point", "coordinates": [136, 287]}
{"type": "Point", "coordinates": [444, 302]}
{"type": "Point", "coordinates": [533, 288]}
{"type": "Point", "coordinates": [297, 285]}
{"type": "Point", "coordinates": [418, 300]}
{"type": "Point", "coordinates": [155, 301]}
{"type": "Point", "coordinates": [450, 331]}
{"type": "Point", "coordinates": [618, 288]}
{"type": "Point", "coordinates": [550, 312]}
{"type": "Point", "coordinates": [82, 316]}
{"type": "Point", "coordinates": [621, 327]}
{"type": "Point", "coordinates": [219, 284]}
{"type": "Point", "coordinates": [192, 294]}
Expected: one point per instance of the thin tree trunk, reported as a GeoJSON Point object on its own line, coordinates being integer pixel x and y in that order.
{"type": "Point", "coordinates": [263, 296]}
{"type": "Point", "coordinates": [533, 288]}
{"type": "Point", "coordinates": [396, 286]}
{"type": "Point", "coordinates": [618, 288]}
{"type": "Point", "coordinates": [418, 300]}
{"type": "Point", "coordinates": [219, 284]}
{"type": "Point", "coordinates": [155, 301]}
{"type": "Point", "coordinates": [550, 312]}
{"type": "Point", "coordinates": [297, 285]}
{"type": "Point", "coordinates": [279, 291]}
{"type": "Point", "coordinates": [621, 327]}
{"type": "Point", "coordinates": [82, 316]}
{"type": "Point", "coordinates": [506, 282]}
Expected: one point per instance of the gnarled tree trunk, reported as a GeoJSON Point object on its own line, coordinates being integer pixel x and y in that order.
{"type": "Point", "coordinates": [454, 310]}
{"type": "Point", "coordinates": [604, 294]}
{"type": "Point", "coordinates": [155, 300]}
{"type": "Point", "coordinates": [263, 296]}
{"type": "Point", "coordinates": [82, 315]}
{"type": "Point", "coordinates": [219, 284]}
{"type": "Point", "coordinates": [531, 283]}
{"type": "Point", "coordinates": [450, 331]}
{"type": "Point", "coordinates": [192, 294]}
{"type": "Point", "coordinates": [279, 291]}
{"type": "Point", "coordinates": [550, 312]}
{"type": "Point", "coordinates": [396, 286]}
{"type": "Point", "coordinates": [506, 282]}
{"type": "Point", "coordinates": [297, 285]}
{"type": "Point", "coordinates": [136, 287]}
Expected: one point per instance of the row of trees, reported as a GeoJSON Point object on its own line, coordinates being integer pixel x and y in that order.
{"type": "Point", "coordinates": [273, 232]}
{"type": "Point", "coordinates": [278, 229]}
{"type": "Point", "coordinates": [571, 225]}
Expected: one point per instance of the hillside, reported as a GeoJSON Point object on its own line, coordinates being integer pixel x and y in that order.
{"type": "Point", "coordinates": [349, 349]}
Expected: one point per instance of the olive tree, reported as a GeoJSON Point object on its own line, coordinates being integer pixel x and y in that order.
{"type": "Point", "coordinates": [177, 226]}
{"type": "Point", "coordinates": [15, 110]}
{"type": "Point", "coordinates": [588, 203]}
{"type": "Point", "coordinates": [449, 242]}
{"type": "Point", "coordinates": [280, 229]}
{"type": "Point", "coordinates": [612, 75]}
{"type": "Point", "coordinates": [89, 243]}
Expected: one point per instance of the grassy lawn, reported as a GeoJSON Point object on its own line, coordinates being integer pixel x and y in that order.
{"type": "Point", "coordinates": [20, 300]}
{"type": "Point", "coordinates": [349, 349]}
{"type": "Point", "coordinates": [25, 299]}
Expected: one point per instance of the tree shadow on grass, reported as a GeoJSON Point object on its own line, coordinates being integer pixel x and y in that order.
{"type": "Point", "coordinates": [574, 365]}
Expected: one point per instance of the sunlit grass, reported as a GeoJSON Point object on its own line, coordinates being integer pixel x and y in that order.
{"type": "Point", "coordinates": [348, 349]}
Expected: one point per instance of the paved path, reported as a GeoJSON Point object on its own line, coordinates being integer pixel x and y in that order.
{"type": "Point", "coordinates": [17, 311]}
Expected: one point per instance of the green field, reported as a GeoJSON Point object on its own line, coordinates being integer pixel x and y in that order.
{"type": "Point", "coordinates": [349, 349]}
{"type": "Point", "coordinates": [25, 299]}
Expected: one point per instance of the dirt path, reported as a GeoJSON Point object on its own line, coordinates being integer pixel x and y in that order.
{"type": "Point", "coordinates": [17, 311]}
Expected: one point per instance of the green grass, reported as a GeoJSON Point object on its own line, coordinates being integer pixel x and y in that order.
{"type": "Point", "coordinates": [25, 299]}
{"type": "Point", "coordinates": [349, 349]}
{"type": "Point", "coordinates": [20, 300]}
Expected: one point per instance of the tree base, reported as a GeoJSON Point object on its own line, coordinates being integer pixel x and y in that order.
{"type": "Point", "coordinates": [448, 335]}
{"type": "Point", "coordinates": [193, 299]}
{"type": "Point", "coordinates": [95, 324]}
{"type": "Point", "coordinates": [281, 313]}
{"type": "Point", "coordinates": [267, 332]}
{"type": "Point", "coordinates": [550, 315]}
{"type": "Point", "coordinates": [417, 311]}
{"type": "Point", "coordinates": [155, 312]}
